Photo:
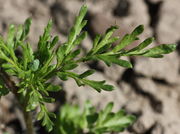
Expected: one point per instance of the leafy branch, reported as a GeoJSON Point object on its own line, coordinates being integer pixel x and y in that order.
{"type": "Point", "coordinates": [87, 120]}
{"type": "Point", "coordinates": [33, 69]}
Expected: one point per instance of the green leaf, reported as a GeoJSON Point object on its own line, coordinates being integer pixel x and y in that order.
{"type": "Point", "coordinates": [112, 122]}
{"type": "Point", "coordinates": [44, 115]}
{"type": "Point", "coordinates": [79, 23]}
{"type": "Point", "coordinates": [75, 31]}
{"type": "Point", "coordinates": [68, 120]}
{"type": "Point", "coordinates": [60, 54]}
{"type": "Point", "coordinates": [71, 36]}
{"type": "Point", "coordinates": [26, 29]}
{"type": "Point", "coordinates": [105, 39]}
{"type": "Point", "coordinates": [11, 72]}
{"type": "Point", "coordinates": [40, 115]}
{"type": "Point", "coordinates": [69, 66]}
{"type": "Point", "coordinates": [92, 118]}
{"type": "Point", "coordinates": [137, 31]}
{"type": "Point", "coordinates": [73, 55]}
{"type": "Point", "coordinates": [63, 76]}
{"type": "Point", "coordinates": [104, 49]}
{"type": "Point", "coordinates": [10, 36]}
{"type": "Point", "coordinates": [98, 85]}
{"type": "Point", "coordinates": [54, 42]}
{"type": "Point", "coordinates": [47, 123]}
{"type": "Point", "coordinates": [108, 109]}
{"type": "Point", "coordinates": [158, 51]}
{"type": "Point", "coordinates": [104, 113]}
{"type": "Point", "coordinates": [79, 39]}
{"type": "Point", "coordinates": [86, 74]}
{"type": "Point", "coordinates": [48, 100]}
{"type": "Point", "coordinates": [112, 40]}
{"type": "Point", "coordinates": [73, 119]}
{"type": "Point", "coordinates": [143, 45]}
{"type": "Point", "coordinates": [47, 31]}
{"type": "Point", "coordinates": [44, 44]}
{"type": "Point", "coordinates": [129, 38]}
{"type": "Point", "coordinates": [7, 65]}
{"type": "Point", "coordinates": [96, 41]}
{"type": "Point", "coordinates": [28, 56]}
{"type": "Point", "coordinates": [110, 31]}
{"type": "Point", "coordinates": [19, 34]}
{"type": "Point", "coordinates": [34, 97]}
{"type": "Point", "coordinates": [46, 65]}
{"type": "Point", "coordinates": [113, 59]}
{"type": "Point", "coordinates": [51, 68]}
{"type": "Point", "coordinates": [53, 88]}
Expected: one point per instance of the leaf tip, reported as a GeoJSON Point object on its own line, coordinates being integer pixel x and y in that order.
{"type": "Point", "coordinates": [138, 30]}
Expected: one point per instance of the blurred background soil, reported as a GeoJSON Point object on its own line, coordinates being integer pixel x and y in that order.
{"type": "Point", "coordinates": [151, 90]}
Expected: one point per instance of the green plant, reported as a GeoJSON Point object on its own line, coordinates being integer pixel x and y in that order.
{"type": "Point", "coordinates": [33, 69]}
{"type": "Point", "coordinates": [88, 121]}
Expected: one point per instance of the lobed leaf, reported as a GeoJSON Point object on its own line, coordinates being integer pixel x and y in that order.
{"type": "Point", "coordinates": [74, 38]}
{"type": "Point", "coordinates": [53, 88]}
{"type": "Point", "coordinates": [62, 75]}
{"type": "Point", "coordinates": [142, 45]}
{"type": "Point", "coordinates": [129, 38]}
{"type": "Point", "coordinates": [54, 42]}
{"type": "Point", "coordinates": [11, 36]}
{"type": "Point", "coordinates": [72, 118]}
{"type": "Point", "coordinates": [26, 29]}
{"type": "Point", "coordinates": [69, 66]}
{"type": "Point", "coordinates": [158, 51]}
{"type": "Point", "coordinates": [114, 59]}
{"type": "Point", "coordinates": [98, 85]}
{"type": "Point", "coordinates": [60, 54]}
{"type": "Point", "coordinates": [73, 55]}
{"type": "Point", "coordinates": [98, 44]}
{"type": "Point", "coordinates": [86, 74]}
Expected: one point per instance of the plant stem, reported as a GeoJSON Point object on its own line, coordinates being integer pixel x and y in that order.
{"type": "Point", "coordinates": [13, 88]}
{"type": "Point", "coordinates": [28, 122]}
